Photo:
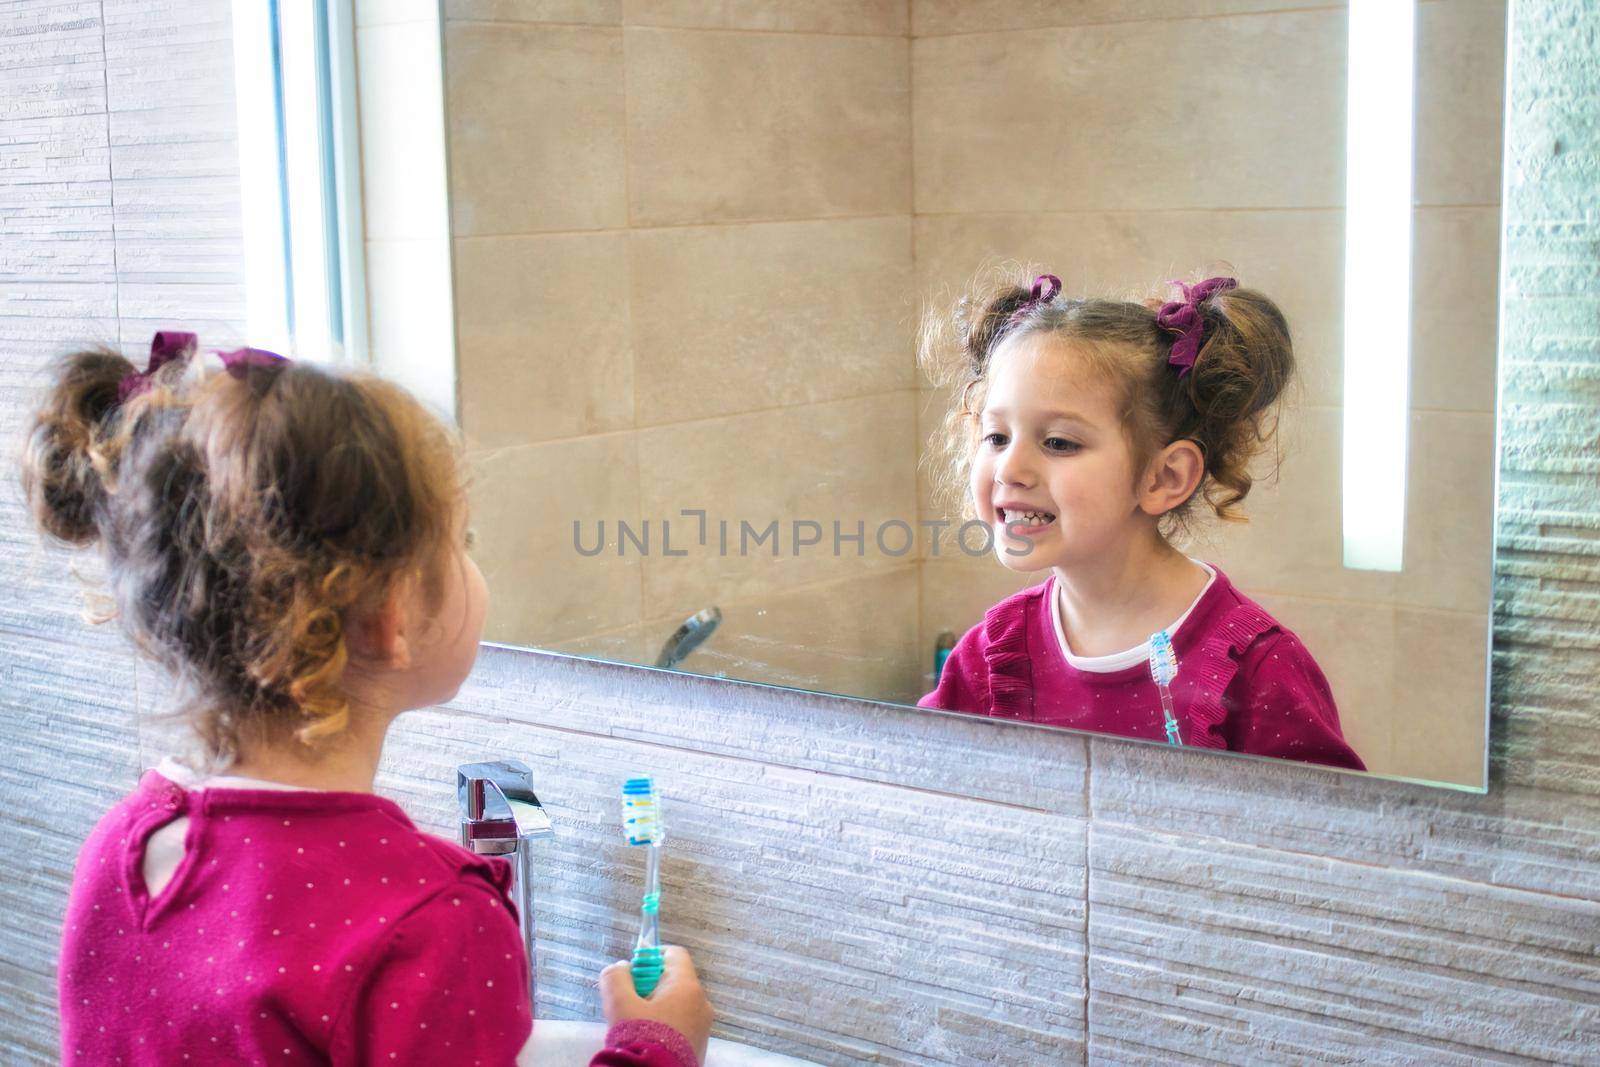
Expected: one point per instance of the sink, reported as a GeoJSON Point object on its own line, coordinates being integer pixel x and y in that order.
{"type": "Point", "coordinates": [563, 1043]}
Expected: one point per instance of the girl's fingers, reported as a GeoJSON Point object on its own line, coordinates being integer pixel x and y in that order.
{"type": "Point", "coordinates": [676, 962]}
{"type": "Point", "coordinates": [616, 985]}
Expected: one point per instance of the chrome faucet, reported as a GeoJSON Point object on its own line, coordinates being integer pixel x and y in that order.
{"type": "Point", "coordinates": [501, 816]}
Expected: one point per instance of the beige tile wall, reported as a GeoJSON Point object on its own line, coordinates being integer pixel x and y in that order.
{"type": "Point", "coordinates": [852, 636]}
{"type": "Point", "coordinates": [682, 237]}
{"type": "Point", "coordinates": [1088, 138]}
{"type": "Point", "coordinates": [1154, 115]}
{"type": "Point", "coordinates": [731, 126]}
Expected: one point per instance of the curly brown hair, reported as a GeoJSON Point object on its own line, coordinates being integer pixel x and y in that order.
{"type": "Point", "coordinates": [1225, 404]}
{"type": "Point", "coordinates": [241, 519]}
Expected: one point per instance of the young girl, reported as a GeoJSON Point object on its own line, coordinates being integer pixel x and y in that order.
{"type": "Point", "coordinates": [1085, 430]}
{"type": "Point", "coordinates": [290, 543]}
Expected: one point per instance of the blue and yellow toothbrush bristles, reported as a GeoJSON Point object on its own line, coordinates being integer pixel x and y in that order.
{"type": "Point", "coordinates": [641, 812]}
{"type": "Point", "coordinates": [641, 822]}
{"type": "Point", "coordinates": [1163, 669]}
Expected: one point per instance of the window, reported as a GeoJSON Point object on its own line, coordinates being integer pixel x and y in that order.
{"type": "Point", "coordinates": [299, 178]}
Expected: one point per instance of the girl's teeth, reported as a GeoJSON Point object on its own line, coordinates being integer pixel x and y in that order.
{"type": "Point", "coordinates": [1031, 518]}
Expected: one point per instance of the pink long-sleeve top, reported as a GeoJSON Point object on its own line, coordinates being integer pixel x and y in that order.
{"type": "Point", "coordinates": [299, 927]}
{"type": "Point", "coordinates": [1245, 682]}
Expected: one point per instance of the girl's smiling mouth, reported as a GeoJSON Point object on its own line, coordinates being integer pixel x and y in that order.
{"type": "Point", "coordinates": [1024, 520]}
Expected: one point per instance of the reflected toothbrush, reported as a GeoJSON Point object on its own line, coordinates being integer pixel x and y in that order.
{"type": "Point", "coordinates": [1163, 669]}
{"type": "Point", "coordinates": [641, 822]}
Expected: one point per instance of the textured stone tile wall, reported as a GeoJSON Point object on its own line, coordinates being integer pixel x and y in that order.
{"type": "Point", "coordinates": [118, 213]}
{"type": "Point", "coordinates": [867, 884]}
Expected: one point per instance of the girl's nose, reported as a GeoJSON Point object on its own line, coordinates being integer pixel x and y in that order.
{"type": "Point", "coordinates": [1013, 467]}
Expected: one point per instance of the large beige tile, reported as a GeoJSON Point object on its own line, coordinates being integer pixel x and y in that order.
{"type": "Point", "coordinates": [737, 127]}
{"type": "Point", "coordinates": [1294, 542]}
{"type": "Point", "coordinates": [584, 12]}
{"type": "Point", "coordinates": [1295, 257]}
{"type": "Point", "coordinates": [1455, 311]}
{"type": "Point", "coordinates": [1441, 722]}
{"type": "Point", "coordinates": [525, 503]}
{"type": "Point", "coordinates": [847, 461]}
{"type": "Point", "coordinates": [737, 318]}
{"type": "Point", "coordinates": [933, 17]}
{"type": "Point", "coordinates": [542, 328]}
{"type": "Point", "coordinates": [858, 638]}
{"type": "Point", "coordinates": [1460, 119]}
{"type": "Point", "coordinates": [1449, 538]}
{"type": "Point", "coordinates": [885, 17]}
{"type": "Point", "coordinates": [1243, 112]}
{"type": "Point", "coordinates": [535, 118]}
{"type": "Point", "coordinates": [403, 185]}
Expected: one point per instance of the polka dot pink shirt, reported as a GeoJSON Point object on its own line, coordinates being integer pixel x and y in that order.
{"type": "Point", "coordinates": [1245, 682]}
{"type": "Point", "coordinates": [298, 928]}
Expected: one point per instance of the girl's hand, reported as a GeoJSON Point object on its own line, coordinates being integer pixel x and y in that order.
{"type": "Point", "coordinates": [678, 1001]}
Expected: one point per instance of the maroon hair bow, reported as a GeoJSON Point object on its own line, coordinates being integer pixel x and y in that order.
{"type": "Point", "coordinates": [240, 360]}
{"type": "Point", "coordinates": [1045, 289]}
{"type": "Point", "coordinates": [1183, 317]}
{"type": "Point", "coordinates": [168, 345]}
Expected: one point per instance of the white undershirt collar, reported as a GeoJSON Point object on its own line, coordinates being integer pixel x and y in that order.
{"type": "Point", "coordinates": [1131, 657]}
{"type": "Point", "coordinates": [185, 776]}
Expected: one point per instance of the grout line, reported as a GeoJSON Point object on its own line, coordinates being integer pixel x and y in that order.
{"type": "Point", "coordinates": [478, 452]}
{"type": "Point", "coordinates": [1088, 886]}
{"type": "Point", "coordinates": [624, 28]}
{"type": "Point", "coordinates": [710, 224]}
{"type": "Point", "coordinates": [1095, 23]}
{"type": "Point", "coordinates": [1464, 613]}
{"type": "Point", "coordinates": [917, 404]}
{"type": "Point", "coordinates": [1196, 209]}
{"type": "Point", "coordinates": [111, 184]}
{"type": "Point", "coordinates": [633, 334]}
{"type": "Point", "coordinates": [758, 761]}
{"type": "Point", "coordinates": [915, 215]}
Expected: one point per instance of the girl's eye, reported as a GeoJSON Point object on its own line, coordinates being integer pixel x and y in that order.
{"type": "Point", "coordinates": [472, 539]}
{"type": "Point", "coordinates": [995, 440]}
{"type": "Point", "coordinates": [1062, 445]}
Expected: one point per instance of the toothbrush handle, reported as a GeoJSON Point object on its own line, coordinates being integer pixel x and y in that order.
{"type": "Point", "coordinates": [1170, 714]}
{"type": "Point", "coordinates": [647, 956]}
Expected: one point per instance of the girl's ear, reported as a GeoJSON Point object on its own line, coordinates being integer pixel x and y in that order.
{"type": "Point", "coordinates": [1171, 477]}
{"type": "Point", "coordinates": [376, 634]}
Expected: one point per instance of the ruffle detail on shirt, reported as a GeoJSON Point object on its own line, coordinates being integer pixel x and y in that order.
{"type": "Point", "coordinates": [1213, 666]}
{"type": "Point", "coordinates": [1005, 653]}
{"type": "Point", "coordinates": [496, 870]}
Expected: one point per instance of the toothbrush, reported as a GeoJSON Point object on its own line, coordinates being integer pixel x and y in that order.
{"type": "Point", "coordinates": [641, 822]}
{"type": "Point", "coordinates": [1163, 669]}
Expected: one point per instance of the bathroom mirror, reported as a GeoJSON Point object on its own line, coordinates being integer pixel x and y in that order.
{"type": "Point", "coordinates": [692, 244]}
